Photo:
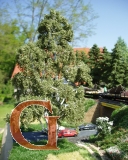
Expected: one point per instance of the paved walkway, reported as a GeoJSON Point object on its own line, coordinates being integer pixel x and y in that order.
{"type": "Point", "coordinates": [7, 143]}
{"type": "Point", "coordinates": [1, 131]}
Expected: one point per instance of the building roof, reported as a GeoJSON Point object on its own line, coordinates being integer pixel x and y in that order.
{"type": "Point", "coordinates": [86, 50]}
{"type": "Point", "coordinates": [16, 70]}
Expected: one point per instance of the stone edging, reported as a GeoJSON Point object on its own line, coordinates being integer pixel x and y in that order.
{"type": "Point", "coordinates": [90, 148]}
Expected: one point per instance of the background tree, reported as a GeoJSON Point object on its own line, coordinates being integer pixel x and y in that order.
{"type": "Point", "coordinates": [81, 56]}
{"type": "Point", "coordinates": [47, 64]}
{"type": "Point", "coordinates": [95, 59]}
{"type": "Point", "coordinates": [78, 56]}
{"type": "Point", "coordinates": [30, 13]}
{"type": "Point", "coordinates": [106, 66]}
{"type": "Point", "coordinates": [10, 39]}
{"type": "Point", "coordinates": [119, 67]}
{"type": "Point", "coordinates": [84, 57]}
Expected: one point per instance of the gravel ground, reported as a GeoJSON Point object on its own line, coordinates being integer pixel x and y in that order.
{"type": "Point", "coordinates": [1, 130]}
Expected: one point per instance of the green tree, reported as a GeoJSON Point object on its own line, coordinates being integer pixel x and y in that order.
{"type": "Point", "coordinates": [84, 57]}
{"type": "Point", "coordinates": [95, 59]}
{"type": "Point", "coordinates": [81, 59]}
{"type": "Point", "coordinates": [47, 64]}
{"type": "Point", "coordinates": [10, 39]}
{"type": "Point", "coordinates": [119, 66]}
{"type": "Point", "coordinates": [106, 66]}
{"type": "Point", "coordinates": [2, 85]}
{"type": "Point", "coordinates": [78, 56]}
{"type": "Point", "coordinates": [30, 13]}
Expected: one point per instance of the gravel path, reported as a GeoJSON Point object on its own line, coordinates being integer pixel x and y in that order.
{"type": "Point", "coordinates": [1, 130]}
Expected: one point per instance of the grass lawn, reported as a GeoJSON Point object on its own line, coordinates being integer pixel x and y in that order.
{"type": "Point", "coordinates": [89, 103]}
{"type": "Point", "coordinates": [4, 109]}
{"type": "Point", "coordinates": [1, 135]}
{"type": "Point", "coordinates": [67, 151]}
{"type": "Point", "coordinates": [32, 127]}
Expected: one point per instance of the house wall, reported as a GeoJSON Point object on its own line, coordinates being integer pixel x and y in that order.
{"type": "Point", "coordinates": [92, 113]}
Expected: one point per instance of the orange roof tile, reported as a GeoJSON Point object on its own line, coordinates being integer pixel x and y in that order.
{"type": "Point", "coordinates": [16, 70]}
{"type": "Point", "coordinates": [86, 50]}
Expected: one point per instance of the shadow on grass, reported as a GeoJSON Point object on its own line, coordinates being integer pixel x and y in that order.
{"type": "Point", "coordinates": [31, 128]}
{"type": "Point", "coordinates": [63, 144]}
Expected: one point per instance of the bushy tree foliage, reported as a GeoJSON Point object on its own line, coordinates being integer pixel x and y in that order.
{"type": "Point", "coordinates": [95, 60]}
{"type": "Point", "coordinates": [106, 66]}
{"type": "Point", "coordinates": [19, 24]}
{"type": "Point", "coordinates": [110, 68]}
{"type": "Point", "coordinates": [119, 66]}
{"type": "Point", "coordinates": [47, 65]}
{"type": "Point", "coordinates": [82, 56]}
{"type": "Point", "coordinates": [54, 36]}
{"type": "Point", "coordinates": [120, 117]}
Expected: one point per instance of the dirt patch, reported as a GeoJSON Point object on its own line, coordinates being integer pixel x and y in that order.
{"type": "Point", "coordinates": [1, 103]}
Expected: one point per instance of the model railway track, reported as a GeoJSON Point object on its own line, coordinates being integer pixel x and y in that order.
{"type": "Point", "coordinates": [110, 98]}
{"type": "Point", "coordinates": [116, 94]}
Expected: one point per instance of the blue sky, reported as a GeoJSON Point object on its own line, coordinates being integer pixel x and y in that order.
{"type": "Point", "coordinates": [111, 24]}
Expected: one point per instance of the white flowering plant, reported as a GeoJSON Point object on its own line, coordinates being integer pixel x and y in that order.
{"type": "Point", "coordinates": [104, 126]}
{"type": "Point", "coordinates": [114, 152]}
